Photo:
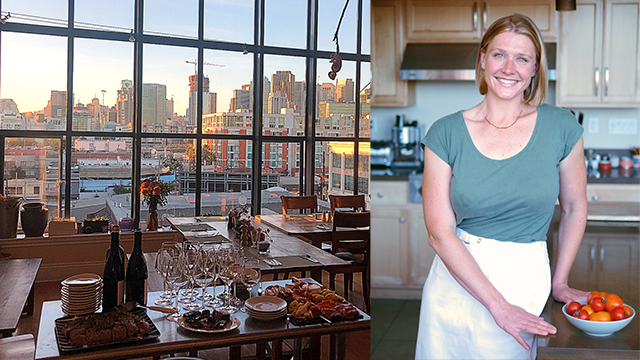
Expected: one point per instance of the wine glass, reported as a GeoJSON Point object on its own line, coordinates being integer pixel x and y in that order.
{"type": "Point", "coordinates": [161, 265]}
{"type": "Point", "coordinates": [228, 273]}
{"type": "Point", "coordinates": [204, 270]}
{"type": "Point", "coordinates": [224, 249]}
{"type": "Point", "coordinates": [177, 277]}
{"type": "Point", "coordinates": [251, 274]}
{"type": "Point", "coordinates": [191, 253]}
{"type": "Point", "coordinates": [215, 272]}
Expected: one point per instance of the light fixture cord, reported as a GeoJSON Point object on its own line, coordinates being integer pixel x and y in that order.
{"type": "Point", "coordinates": [335, 36]}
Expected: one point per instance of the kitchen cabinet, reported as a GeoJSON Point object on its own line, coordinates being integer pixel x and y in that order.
{"type": "Point", "coordinates": [607, 261]}
{"type": "Point", "coordinates": [467, 20]}
{"type": "Point", "coordinates": [613, 192]}
{"type": "Point", "coordinates": [598, 62]}
{"type": "Point", "coordinates": [386, 56]}
{"type": "Point", "coordinates": [400, 253]}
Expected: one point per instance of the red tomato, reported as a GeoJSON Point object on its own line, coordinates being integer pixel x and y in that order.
{"type": "Point", "coordinates": [618, 314]}
{"type": "Point", "coordinates": [600, 316]}
{"type": "Point", "coordinates": [627, 311]}
{"type": "Point", "coordinates": [592, 295]}
{"type": "Point", "coordinates": [573, 307]}
{"type": "Point", "coordinates": [581, 314]}
{"type": "Point", "coordinates": [598, 304]}
{"type": "Point", "coordinates": [612, 301]}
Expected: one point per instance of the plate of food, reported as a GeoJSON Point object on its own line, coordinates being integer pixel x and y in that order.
{"type": "Point", "coordinates": [210, 322]}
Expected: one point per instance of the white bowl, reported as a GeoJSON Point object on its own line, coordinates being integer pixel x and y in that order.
{"type": "Point", "coordinates": [598, 328]}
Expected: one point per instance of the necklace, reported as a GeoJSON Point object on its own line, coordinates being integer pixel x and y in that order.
{"type": "Point", "coordinates": [503, 127]}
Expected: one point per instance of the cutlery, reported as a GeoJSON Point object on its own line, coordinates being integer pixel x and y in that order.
{"type": "Point", "coordinates": [325, 319]}
{"type": "Point", "coordinates": [308, 257]}
{"type": "Point", "coordinates": [130, 305]}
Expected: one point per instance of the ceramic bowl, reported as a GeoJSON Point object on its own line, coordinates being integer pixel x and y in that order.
{"type": "Point", "coordinates": [598, 328]}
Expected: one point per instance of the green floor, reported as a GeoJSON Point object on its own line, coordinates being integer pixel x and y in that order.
{"type": "Point", "coordinates": [394, 328]}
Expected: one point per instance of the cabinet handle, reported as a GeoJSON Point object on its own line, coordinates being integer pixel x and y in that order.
{"type": "Point", "coordinates": [595, 197]}
{"type": "Point", "coordinates": [601, 258]}
{"type": "Point", "coordinates": [592, 260]}
{"type": "Point", "coordinates": [597, 80]}
{"type": "Point", "coordinates": [402, 219]}
{"type": "Point", "coordinates": [484, 16]}
{"type": "Point", "coordinates": [606, 81]}
{"type": "Point", "coordinates": [475, 16]}
{"type": "Point", "coordinates": [380, 194]}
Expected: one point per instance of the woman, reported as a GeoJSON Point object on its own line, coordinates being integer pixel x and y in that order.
{"type": "Point", "coordinates": [492, 175]}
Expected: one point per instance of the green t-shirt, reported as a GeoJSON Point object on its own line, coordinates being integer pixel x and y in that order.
{"type": "Point", "coordinates": [511, 199]}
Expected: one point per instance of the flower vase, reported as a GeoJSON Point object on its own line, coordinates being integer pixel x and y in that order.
{"type": "Point", "coordinates": [152, 222]}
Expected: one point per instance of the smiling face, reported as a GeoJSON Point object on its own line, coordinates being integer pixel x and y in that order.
{"type": "Point", "coordinates": [509, 63]}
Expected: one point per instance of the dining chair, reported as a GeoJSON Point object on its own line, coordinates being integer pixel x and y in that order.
{"type": "Point", "coordinates": [300, 203]}
{"type": "Point", "coordinates": [353, 202]}
{"type": "Point", "coordinates": [350, 242]}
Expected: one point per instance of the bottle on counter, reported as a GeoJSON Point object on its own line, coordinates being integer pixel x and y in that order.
{"type": "Point", "coordinates": [137, 273]}
{"type": "Point", "coordinates": [116, 228]}
{"type": "Point", "coordinates": [113, 275]}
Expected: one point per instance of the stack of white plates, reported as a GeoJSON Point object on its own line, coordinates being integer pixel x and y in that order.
{"type": "Point", "coordinates": [266, 307]}
{"type": "Point", "coordinates": [81, 294]}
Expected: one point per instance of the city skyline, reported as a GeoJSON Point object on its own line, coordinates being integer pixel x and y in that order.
{"type": "Point", "coordinates": [101, 65]}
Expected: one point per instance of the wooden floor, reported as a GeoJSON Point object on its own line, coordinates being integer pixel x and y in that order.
{"type": "Point", "coordinates": [358, 344]}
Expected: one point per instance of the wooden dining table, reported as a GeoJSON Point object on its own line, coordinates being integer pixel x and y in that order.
{"type": "Point", "coordinates": [17, 277]}
{"type": "Point", "coordinates": [291, 252]}
{"type": "Point", "coordinates": [175, 339]}
{"type": "Point", "coordinates": [304, 225]}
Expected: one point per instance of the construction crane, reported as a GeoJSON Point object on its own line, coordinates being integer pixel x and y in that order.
{"type": "Point", "coordinates": [195, 64]}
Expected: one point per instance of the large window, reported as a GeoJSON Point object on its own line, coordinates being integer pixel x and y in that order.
{"type": "Point", "coordinates": [229, 100]}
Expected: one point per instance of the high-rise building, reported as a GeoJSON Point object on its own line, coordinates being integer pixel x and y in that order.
{"type": "Point", "coordinates": [124, 102]}
{"type": "Point", "coordinates": [154, 104]}
{"type": "Point", "coordinates": [8, 106]}
{"type": "Point", "coordinates": [266, 89]}
{"type": "Point", "coordinates": [57, 105]}
{"type": "Point", "coordinates": [277, 101]}
{"type": "Point", "coordinates": [193, 95]}
{"type": "Point", "coordinates": [299, 96]}
{"type": "Point", "coordinates": [282, 81]}
{"type": "Point", "coordinates": [327, 92]}
{"type": "Point", "coordinates": [240, 100]}
{"type": "Point", "coordinates": [345, 90]}
{"type": "Point", "coordinates": [213, 103]}
{"type": "Point", "coordinates": [169, 108]}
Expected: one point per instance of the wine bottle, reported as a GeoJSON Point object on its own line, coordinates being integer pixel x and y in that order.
{"type": "Point", "coordinates": [137, 272]}
{"type": "Point", "coordinates": [116, 228]}
{"type": "Point", "coordinates": [113, 275]}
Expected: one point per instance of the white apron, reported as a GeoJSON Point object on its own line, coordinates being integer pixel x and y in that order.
{"type": "Point", "coordinates": [454, 325]}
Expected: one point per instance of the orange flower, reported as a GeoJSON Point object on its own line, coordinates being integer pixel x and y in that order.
{"type": "Point", "coordinates": [3, 198]}
{"type": "Point", "coordinates": [145, 191]}
{"type": "Point", "coordinates": [157, 190]}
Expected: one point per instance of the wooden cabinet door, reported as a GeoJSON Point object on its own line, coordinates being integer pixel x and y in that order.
{"type": "Point", "coordinates": [621, 62]}
{"type": "Point", "coordinates": [389, 239]}
{"type": "Point", "coordinates": [542, 12]}
{"type": "Point", "coordinates": [437, 21]}
{"type": "Point", "coordinates": [617, 270]}
{"type": "Point", "coordinates": [386, 56]}
{"type": "Point", "coordinates": [580, 55]}
{"type": "Point", "coordinates": [583, 272]}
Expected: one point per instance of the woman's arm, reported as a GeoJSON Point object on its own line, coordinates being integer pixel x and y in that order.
{"type": "Point", "coordinates": [441, 223]}
{"type": "Point", "coordinates": [573, 219]}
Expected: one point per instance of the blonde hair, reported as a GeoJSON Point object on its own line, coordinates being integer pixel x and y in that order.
{"type": "Point", "coordinates": [535, 94]}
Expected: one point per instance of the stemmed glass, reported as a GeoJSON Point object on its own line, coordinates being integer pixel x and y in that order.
{"type": "Point", "coordinates": [237, 268]}
{"type": "Point", "coordinates": [177, 277]}
{"type": "Point", "coordinates": [229, 269]}
{"type": "Point", "coordinates": [251, 274]}
{"type": "Point", "coordinates": [204, 270]}
{"type": "Point", "coordinates": [191, 253]}
{"type": "Point", "coordinates": [166, 298]}
{"type": "Point", "coordinates": [225, 249]}
{"type": "Point", "coordinates": [215, 254]}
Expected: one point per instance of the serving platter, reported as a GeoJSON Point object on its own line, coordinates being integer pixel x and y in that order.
{"type": "Point", "coordinates": [64, 343]}
{"type": "Point", "coordinates": [232, 324]}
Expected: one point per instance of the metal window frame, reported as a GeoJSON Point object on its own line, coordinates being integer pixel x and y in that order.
{"type": "Point", "coordinates": [258, 50]}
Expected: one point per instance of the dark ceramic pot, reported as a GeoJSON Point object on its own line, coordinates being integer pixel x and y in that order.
{"type": "Point", "coordinates": [34, 219]}
{"type": "Point", "coordinates": [9, 221]}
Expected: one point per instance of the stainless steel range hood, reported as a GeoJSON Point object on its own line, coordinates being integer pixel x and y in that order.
{"type": "Point", "coordinates": [451, 61]}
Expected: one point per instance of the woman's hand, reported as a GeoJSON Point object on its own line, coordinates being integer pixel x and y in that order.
{"type": "Point", "coordinates": [565, 294]}
{"type": "Point", "coordinates": [514, 319]}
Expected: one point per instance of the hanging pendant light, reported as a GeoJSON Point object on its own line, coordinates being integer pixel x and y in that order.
{"type": "Point", "coordinates": [565, 5]}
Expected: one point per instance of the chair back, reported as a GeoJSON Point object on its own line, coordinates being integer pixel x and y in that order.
{"type": "Point", "coordinates": [300, 203]}
{"type": "Point", "coordinates": [351, 233]}
{"type": "Point", "coordinates": [355, 202]}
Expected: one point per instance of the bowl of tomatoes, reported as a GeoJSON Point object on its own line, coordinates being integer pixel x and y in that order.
{"type": "Point", "coordinates": [601, 314]}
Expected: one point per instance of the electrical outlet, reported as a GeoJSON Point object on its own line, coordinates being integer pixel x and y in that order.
{"type": "Point", "coordinates": [593, 125]}
{"type": "Point", "coordinates": [623, 126]}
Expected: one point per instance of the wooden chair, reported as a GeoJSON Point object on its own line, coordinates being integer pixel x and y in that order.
{"type": "Point", "coordinates": [300, 203]}
{"type": "Point", "coordinates": [350, 242]}
{"type": "Point", "coordinates": [354, 202]}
